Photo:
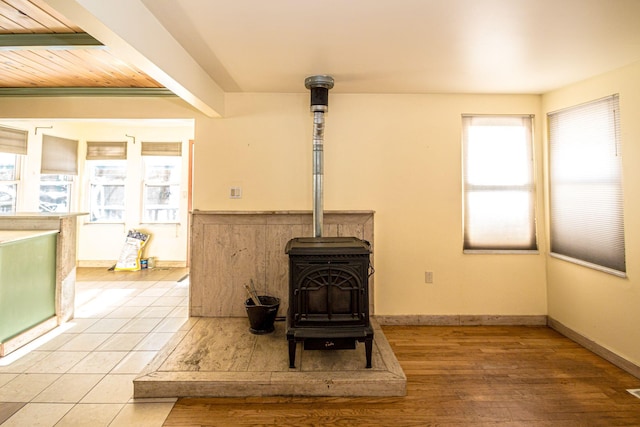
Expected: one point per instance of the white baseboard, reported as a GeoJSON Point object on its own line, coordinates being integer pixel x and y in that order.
{"type": "Point", "coordinates": [109, 264]}
{"type": "Point", "coordinates": [462, 320]}
{"type": "Point", "coordinates": [95, 263]}
{"type": "Point", "coordinates": [596, 348]}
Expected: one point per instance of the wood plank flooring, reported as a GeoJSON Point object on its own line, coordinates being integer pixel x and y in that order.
{"type": "Point", "coordinates": [456, 376]}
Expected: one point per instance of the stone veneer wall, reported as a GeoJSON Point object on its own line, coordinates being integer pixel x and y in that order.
{"type": "Point", "coordinates": [228, 249]}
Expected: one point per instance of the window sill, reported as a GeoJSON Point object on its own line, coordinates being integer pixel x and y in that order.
{"type": "Point", "coordinates": [597, 267]}
{"type": "Point", "coordinates": [501, 252]}
{"type": "Point", "coordinates": [104, 223]}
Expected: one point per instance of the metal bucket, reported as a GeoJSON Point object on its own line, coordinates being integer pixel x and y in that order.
{"type": "Point", "coordinates": [262, 317]}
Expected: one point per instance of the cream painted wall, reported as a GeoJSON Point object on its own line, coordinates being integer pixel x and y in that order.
{"type": "Point", "coordinates": [599, 306]}
{"type": "Point", "coordinates": [398, 155]}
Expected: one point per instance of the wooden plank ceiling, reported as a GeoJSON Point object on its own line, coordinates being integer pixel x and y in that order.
{"type": "Point", "coordinates": [53, 61]}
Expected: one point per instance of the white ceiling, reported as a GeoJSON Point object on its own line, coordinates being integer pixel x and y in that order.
{"type": "Point", "coordinates": [404, 46]}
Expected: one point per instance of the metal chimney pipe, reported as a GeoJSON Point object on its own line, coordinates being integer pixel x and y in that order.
{"type": "Point", "coordinates": [319, 87]}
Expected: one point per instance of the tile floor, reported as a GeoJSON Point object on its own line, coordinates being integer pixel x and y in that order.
{"type": "Point", "coordinates": [81, 374]}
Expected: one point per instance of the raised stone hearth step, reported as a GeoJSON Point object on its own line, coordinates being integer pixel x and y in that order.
{"type": "Point", "coordinates": [218, 357]}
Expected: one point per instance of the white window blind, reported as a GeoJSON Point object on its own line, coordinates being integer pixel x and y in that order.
{"type": "Point", "coordinates": [587, 224]}
{"type": "Point", "coordinates": [161, 148]}
{"type": "Point", "coordinates": [106, 150]}
{"type": "Point", "coordinates": [59, 156]}
{"type": "Point", "coordinates": [499, 191]}
{"type": "Point", "coordinates": [13, 141]}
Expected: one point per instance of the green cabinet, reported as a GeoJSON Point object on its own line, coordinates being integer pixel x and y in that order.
{"type": "Point", "coordinates": [27, 283]}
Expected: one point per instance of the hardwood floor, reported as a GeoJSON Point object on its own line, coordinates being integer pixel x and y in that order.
{"type": "Point", "coordinates": [456, 376]}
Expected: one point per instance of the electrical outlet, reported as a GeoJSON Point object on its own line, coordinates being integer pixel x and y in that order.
{"type": "Point", "coordinates": [428, 277]}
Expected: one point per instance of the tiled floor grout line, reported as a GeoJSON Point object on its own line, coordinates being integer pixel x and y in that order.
{"type": "Point", "coordinates": [118, 337]}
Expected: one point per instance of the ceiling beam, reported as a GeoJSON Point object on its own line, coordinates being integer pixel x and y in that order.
{"type": "Point", "coordinates": [86, 91]}
{"type": "Point", "coordinates": [48, 41]}
{"type": "Point", "coordinates": [133, 34]}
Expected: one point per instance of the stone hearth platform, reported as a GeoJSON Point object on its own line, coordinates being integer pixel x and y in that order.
{"type": "Point", "coordinates": [219, 357]}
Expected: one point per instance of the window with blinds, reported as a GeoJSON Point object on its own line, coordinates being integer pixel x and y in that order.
{"type": "Point", "coordinates": [13, 141]}
{"type": "Point", "coordinates": [161, 149]}
{"type": "Point", "coordinates": [58, 168]}
{"type": "Point", "coordinates": [107, 190]}
{"type": "Point", "coordinates": [499, 190]}
{"type": "Point", "coordinates": [586, 197]}
{"type": "Point", "coordinates": [59, 156]}
{"type": "Point", "coordinates": [107, 172]}
{"type": "Point", "coordinates": [99, 150]}
{"type": "Point", "coordinates": [162, 168]}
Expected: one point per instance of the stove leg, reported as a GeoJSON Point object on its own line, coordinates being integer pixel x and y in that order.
{"type": "Point", "coordinates": [368, 346]}
{"type": "Point", "coordinates": [292, 353]}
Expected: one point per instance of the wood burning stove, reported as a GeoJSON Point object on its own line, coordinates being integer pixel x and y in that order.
{"type": "Point", "coordinates": [329, 294]}
{"type": "Point", "coordinates": [328, 276]}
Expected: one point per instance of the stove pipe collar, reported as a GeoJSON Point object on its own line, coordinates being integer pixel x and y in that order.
{"type": "Point", "coordinates": [319, 87]}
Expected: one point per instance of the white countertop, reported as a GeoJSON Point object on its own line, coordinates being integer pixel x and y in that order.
{"type": "Point", "coordinates": [8, 236]}
{"type": "Point", "coordinates": [307, 212]}
{"type": "Point", "coordinates": [40, 215]}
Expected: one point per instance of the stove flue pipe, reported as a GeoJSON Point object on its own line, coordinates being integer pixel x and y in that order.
{"type": "Point", "coordinates": [319, 87]}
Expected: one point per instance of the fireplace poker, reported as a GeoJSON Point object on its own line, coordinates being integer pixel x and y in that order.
{"type": "Point", "coordinates": [253, 295]}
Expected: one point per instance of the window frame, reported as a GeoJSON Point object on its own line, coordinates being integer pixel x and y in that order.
{"type": "Point", "coordinates": [571, 248]}
{"type": "Point", "coordinates": [63, 180]}
{"type": "Point", "coordinates": [504, 241]}
{"type": "Point", "coordinates": [93, 181]}
{"type": "Point", "coordinates": [16, 181]}
{"type": "Point", "coordinates": [147, 183]}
